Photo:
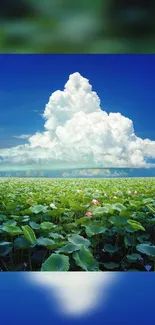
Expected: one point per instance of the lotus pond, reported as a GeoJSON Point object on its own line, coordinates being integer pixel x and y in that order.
{"type": "Point", "coordinates": [77, 224]}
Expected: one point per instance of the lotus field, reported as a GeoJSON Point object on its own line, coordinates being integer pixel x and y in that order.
{"type": "Point", "coordinates": [77, 224]}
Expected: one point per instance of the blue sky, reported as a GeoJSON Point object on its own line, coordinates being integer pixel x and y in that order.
{"type": "Point", "coordinates": [124, 83]}
{"type": "Point", "coordinates": [131, 301]}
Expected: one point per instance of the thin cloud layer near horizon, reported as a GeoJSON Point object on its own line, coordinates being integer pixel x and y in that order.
{"type": "Point", "coordinates": [78, 133]}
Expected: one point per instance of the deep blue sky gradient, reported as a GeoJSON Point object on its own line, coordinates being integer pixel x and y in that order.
{"type": "Point", "coordinates": [124, 83]}
{"type": "Point", "coordinates": [131, 301]}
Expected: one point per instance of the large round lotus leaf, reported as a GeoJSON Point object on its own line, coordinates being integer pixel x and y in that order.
{"type": "Point", "coordinates": [146, 249]}
{"type": "Point", "coordinates": [79, 240]}
{"type": "Point", "coordinates": [85, 259]}
{"type": "Point", "coordinates": [56, 262]}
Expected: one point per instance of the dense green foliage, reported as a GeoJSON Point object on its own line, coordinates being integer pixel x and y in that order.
{"type": "Point", "coordinates": [77, 224]}
{"type": "Point", "coordinates": [66, 26]}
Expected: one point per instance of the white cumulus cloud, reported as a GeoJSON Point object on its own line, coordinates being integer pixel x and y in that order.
{"type": "Point", "coordinates": [22, 136]}
{"type": "Point", "coordinates": [76, 293]}
{"type": "Point", "coordinates": [79, 134]}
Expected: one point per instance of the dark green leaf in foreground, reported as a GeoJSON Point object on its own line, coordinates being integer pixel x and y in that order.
{"type": "Point", "coordinates": [143, 238]}
{"type": "Point", "coordinates": [92, 230]}
{"type": "Point", "coordinates": [85, 259]}
{"type": "Point", "coordinates": [5, 248]}
{"type": "Point", "coordinates": [79, 240]}
{"type": "Point", "coordinates": [100, 210]}
{"type": "Point", "coordinates": [29, 234]}
{"type": "Point", "coordinates": [151, 208]}
{"type": "Point", "coordinates": [25, 219]}
{"type": "Point", "coordinates": [111, 249]}
{"type": "Point", "coordinates": [10, 222]}
{"type": "Point", "coordinates": [130, 240]}
{"type": "Point", "coordinates": [55, 263]}
{"type": "Point", "coordinates": [146, 249]}
{"type": "Point", "coordinates": [22, 243]}
{"type": "Point", "coordinates": [69, 248]}
{"type": "Point", "coordinates": [148, 200]}
{"type": "Point", "coordinates": [118, 221]}
{"type": "Point", "coordinates": [55, 246]}
{"type": "Point", "coordinates": [133, 257]}
{"type": "Point", "coordinates": [12, 230]}
{"type": "Point", "coordinates": [2, 217]}
{"type": "Point", "coordinates": [55, 235]}
{"type": "Point", "coordinates": [111, 265]}
{"type": "Point", "coordinates": [15, 217]}
{"type": "Point", "coordinates": [83, 221]}
{"type": "Point", "coordinates": [130, 229]}
{"type": "Point", "coordinates": [135, 225]}
{"type": "Point", "coordinates": [46, 225]}
{"type": "Point", "coordinates": [38, 208]}
{"type": "Point", "coordinates": [34, 225]}
{"type": "Point", "coordinates": [44, 241]}
{"type": "Point", "coordinates": [118, 206]}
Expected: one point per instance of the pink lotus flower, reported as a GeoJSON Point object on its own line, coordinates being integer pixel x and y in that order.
{"type": "Point", "coordinates": [89, 214]}
{"type": "Point", "coordinates": [95, 202]}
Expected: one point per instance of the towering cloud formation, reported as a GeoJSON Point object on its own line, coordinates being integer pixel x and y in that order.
{"type": "Point", "coordinates": [77, 293]}
{"type": "Point", "coordinates": [78, 133]}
